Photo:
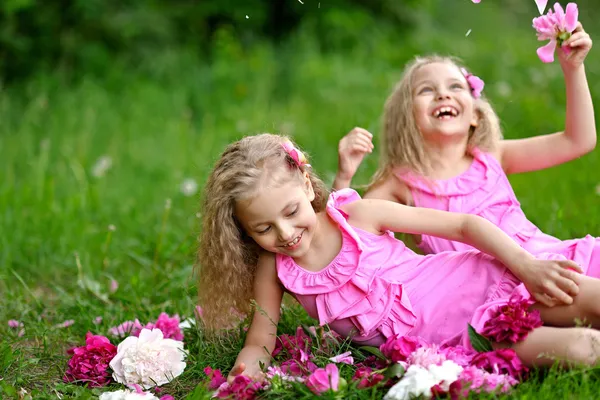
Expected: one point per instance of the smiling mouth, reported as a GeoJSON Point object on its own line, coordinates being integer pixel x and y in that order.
{"type": "Point", "coordinates": [294, 242]}
{"type": "Point", "coordinates": [445, 112]}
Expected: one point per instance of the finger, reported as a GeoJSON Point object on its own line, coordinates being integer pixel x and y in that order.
{"type": "Point", "coordinates": [554, 291]}
{"type": "Point", "coordinates": [238, 369]}
{"type": "Point", "coordinates": [568, 286]}
{"type": "Point", "coordinates": [360, 148]}
{"type": "Point", "coordinates": [569, 265]}
{"type": "Point", "coordinates": [542, 298]}
{"type": "Point", "coordinates": [365, 142]}
{"type": "Point", "coordinates": [362, 131]}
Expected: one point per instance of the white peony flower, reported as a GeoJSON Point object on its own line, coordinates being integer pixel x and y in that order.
{"type": "Point", "coordinates": [148, 360]}
{"type": "Point", "coordinates": [418, 381]}
{"type": "Point", "coordinates": [127, 395]}
{"type": "Point", "coordinates": [446, 373]}
{"type": "Point", "coordinates": [187, 323]}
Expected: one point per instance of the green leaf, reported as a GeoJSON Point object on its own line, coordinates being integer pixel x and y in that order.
{"type": "Point", "coordinates": [480, 343]}
{"type": "Point", "coordinates": [373, 350]}
{"type": "Point", "coordinates": [394, 371]}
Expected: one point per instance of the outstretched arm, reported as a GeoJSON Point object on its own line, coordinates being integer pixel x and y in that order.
{"type": "Point", "coordinates": [260, 340]}
{"type": "Point", "coordinates": [579, 136]}
{"type": "Point", "coordinates": [544, 279]}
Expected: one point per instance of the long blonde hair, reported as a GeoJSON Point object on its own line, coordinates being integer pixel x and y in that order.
{"type": "Point", "coordinates": [401, 141]}
{"type": "Point", "coordinates": [227, 257]}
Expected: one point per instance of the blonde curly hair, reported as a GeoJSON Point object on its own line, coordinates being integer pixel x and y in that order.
{"type": "Point", "coordinates": [401, 141]}
{"type": "Point", "coordinates": [227, 257]}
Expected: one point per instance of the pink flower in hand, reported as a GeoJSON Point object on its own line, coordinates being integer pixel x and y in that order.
{"type": "Point", "coordinates": [557, 27]}
{"type": "Point", "coordinates": [324, 379]}
{"type": "Point", "coordinates": [398, 348]}
{"type": "Point", "coordinates": [215, 376]}
{"type": "Point", "coordinates": [89, 364]}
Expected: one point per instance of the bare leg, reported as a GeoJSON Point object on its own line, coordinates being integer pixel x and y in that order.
{"type": "Point", "coordinates": [585, 307]}
{"type": "Point", "coordinates": [546, 345]}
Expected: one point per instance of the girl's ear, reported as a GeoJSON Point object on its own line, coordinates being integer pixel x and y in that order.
{"type": "Point", "coordinates": [308, 187]}
{"type": "Point", "coordinates": [475, 120]}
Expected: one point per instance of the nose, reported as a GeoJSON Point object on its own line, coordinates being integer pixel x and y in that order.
{"type": "Point", "coordinates": [286, 233]}
{"type": "Point", "coordinates": [442, 93]}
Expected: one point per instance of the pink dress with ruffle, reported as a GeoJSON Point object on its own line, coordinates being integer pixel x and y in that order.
{"type": "Point", "coordinates": [484, 190]}
{"type": "Point", "coordinates": [377, 287]}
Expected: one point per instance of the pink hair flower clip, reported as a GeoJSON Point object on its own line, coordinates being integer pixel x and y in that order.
{"type": "Point", "coordinates": [557, 27]}
{"type": "Point", "coordinates": [475, 83]}
{"type": "Point", "coordinates": [295, 154]}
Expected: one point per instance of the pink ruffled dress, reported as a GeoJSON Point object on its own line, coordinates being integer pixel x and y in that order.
{"type": "Point", "coordinates": [377, 287]}
{"type": "Point", "coordinates": [484, 190]}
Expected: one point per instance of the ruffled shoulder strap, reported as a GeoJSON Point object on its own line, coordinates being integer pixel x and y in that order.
{"type": "Point", "coordinates": [336, 200]}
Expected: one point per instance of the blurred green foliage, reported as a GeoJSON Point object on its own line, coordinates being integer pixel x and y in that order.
{"type": "Point", "coordinates": [85, 36]}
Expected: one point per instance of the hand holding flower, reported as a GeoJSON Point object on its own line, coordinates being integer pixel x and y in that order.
{"type": "Point", "coordinates": [575, 49]}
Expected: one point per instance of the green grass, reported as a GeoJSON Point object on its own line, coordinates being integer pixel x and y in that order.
{"type": "Point", "coordinates": [170, 121]}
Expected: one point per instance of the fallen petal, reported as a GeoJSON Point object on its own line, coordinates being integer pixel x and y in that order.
{"type": "Point", "coordinates": [541, 5]}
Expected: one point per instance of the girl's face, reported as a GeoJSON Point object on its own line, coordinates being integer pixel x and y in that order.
{"type": "Point", "coordinates": [442, 102]}
{"type": "Point", "coordinates": [281, 219]}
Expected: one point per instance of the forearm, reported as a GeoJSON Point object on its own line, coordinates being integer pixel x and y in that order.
{"type": "Point", "coordinates": [580, 125]}
{"type": "Point", "coordinates": [488, 238]}
{"type": "Point", "coordinates": [341, 181]}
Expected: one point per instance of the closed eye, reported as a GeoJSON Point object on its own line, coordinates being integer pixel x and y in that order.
{"type": "Point", "coordinates": [293, 212]}
{"type": "Point", "coordinates": [266, 230]}
{"type": "Point", "coordinates": [456, 86]}
{"type": "Point", "coordinates": [425, 89]}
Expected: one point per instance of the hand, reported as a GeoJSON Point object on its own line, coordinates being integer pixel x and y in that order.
{"type": "Point", "coordinates": [575, 49]}
{"type": "Point", "coordinates": [352, 150]}
{"type": "Point", "coordinates": [253, 372]}
{"type": "Point", "coordinates": [551, 282]}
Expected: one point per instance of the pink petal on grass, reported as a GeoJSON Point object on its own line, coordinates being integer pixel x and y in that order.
{"type": "Point", "coordinates": [13, 323]}
{"type": "Point", "coordinates": [476, 1]}
{"type": "Point", "coordinates": [546, 53]}
{"type": "Point", "coordinates": [541, 5]}
{"type": "Point", "coordinates": [65, 324]}
{"type": "Point", "coordinates": [344, 358]}
{"type": "Point", "coordinates": [571, 17]}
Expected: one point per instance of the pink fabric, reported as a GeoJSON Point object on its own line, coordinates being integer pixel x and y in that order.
{"type": "Point", "coordinates": [376, 287]}
{"type": "Point", "coordinates": [484, 190]}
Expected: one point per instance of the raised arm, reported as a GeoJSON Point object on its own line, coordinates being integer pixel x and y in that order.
{"type": "Point", "coordinates": [351, 150]}
{"type": "Point", "coordinates": [579, 136]}
{"type": "Point", "coordinates": [260, 340]}
{"type": "Point", "coordinates": [544, 279]}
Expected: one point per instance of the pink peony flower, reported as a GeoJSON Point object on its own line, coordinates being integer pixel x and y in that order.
{"type": "Point", "coordinates": [512, 322]}
{"type": "Point", "coordinates": [126, 329]}
{"type": "Point", "coordinates": [324, 379]}
{"type": "Point", "coordinates": [426, 356]}
{"type": "Point", "coordinates": [502, 361]}
{"type": "Point", "coordinates": [459, 354]}
{"type": "Point", "coordinates": [242, 388]}
{"type": "Point", "coordinates": [297, 368]}
{"type": "Point", "coordinates": [557, 27]}
{"type": "Point", "coordinates": [344, 358]}
{"type": "Point", "coordinates": [366, 377]}
{"type": "Point", "coordinates": [168, 325]}
{"type": "Point", "coordinates": [398, 348]}
{"type": "Point", "coordinates": [297, 347]}
{"type": "Point", "coordinates": [89, 363]}
{"type": "Point", "coordinates": [215, 376]}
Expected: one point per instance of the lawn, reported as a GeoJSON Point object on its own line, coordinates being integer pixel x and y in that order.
{"type": "Point", "coordinates": [101, 179]}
